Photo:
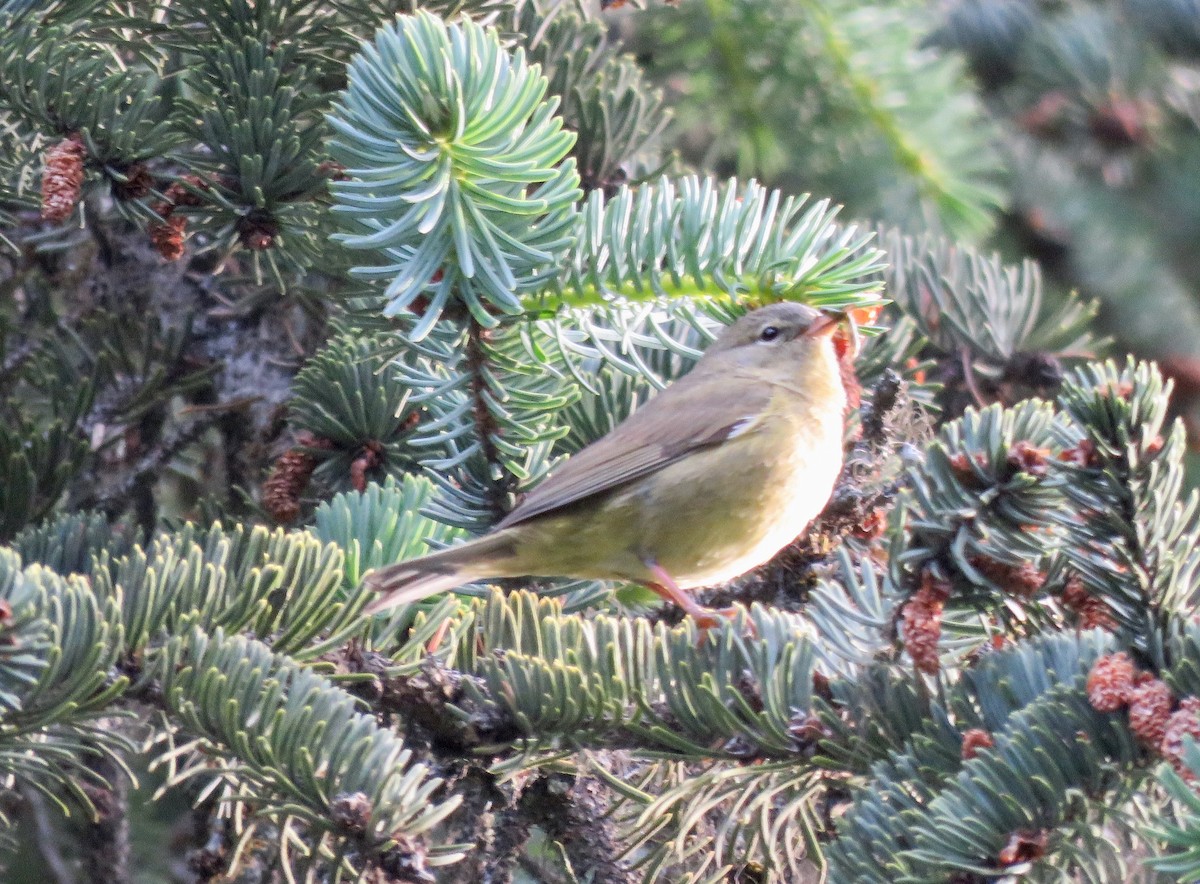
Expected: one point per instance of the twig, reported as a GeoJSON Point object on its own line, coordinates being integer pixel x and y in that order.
{"type": "Point", "coordinates": [239, 404]}
{"type": "Point", "coordinates": [47, 840]}
{"type": "Point", "coordinates": [969, 378]}
{"type": "Point", "coordinates": [485, 422]}
{"type": "Point", "coordinates": [106, 839]}
{"type": "Point", "coordinates": [171, 443]}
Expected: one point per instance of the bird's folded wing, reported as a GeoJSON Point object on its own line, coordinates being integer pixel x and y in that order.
{"type": "Point", "coordinates": [683, 418]}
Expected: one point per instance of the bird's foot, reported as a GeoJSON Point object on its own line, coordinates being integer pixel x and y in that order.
{"type": "Point", "coordinates": [704, 618]}
{"type": "Point", "coordinates": [710, 618]}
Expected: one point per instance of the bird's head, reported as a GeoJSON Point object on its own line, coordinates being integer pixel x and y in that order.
{"type": "Point", "coordinates": [792, 345]}
{"type": "Point", "coordinates": [795, 333]}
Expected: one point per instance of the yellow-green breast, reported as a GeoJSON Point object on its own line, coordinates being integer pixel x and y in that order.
{"type": "Point", "coordinates": [705, 519]}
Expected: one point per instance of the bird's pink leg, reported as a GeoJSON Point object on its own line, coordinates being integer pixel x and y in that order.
{"type": "Point", "coordinates": [705, 618]}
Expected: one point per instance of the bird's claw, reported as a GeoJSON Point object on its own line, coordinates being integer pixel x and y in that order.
{"type": "Point", "coordinates": [710, 618]}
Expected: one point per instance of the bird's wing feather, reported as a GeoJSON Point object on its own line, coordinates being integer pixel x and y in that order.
{"type": "Point", "coordinates": [686, 416]}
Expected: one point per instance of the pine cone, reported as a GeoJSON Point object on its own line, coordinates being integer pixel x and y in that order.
{"type": "Point", "coordinates": [1084, 454]}
{"type": "Point", "coordinates": [1093, 612]}
{"type": "Point", "coordinates": [258, 230]}
{"type": "Point", "coordinates": [1185, 722]}
{"type": "Point", "coordinates": [370, 457]}
{"type": "Point", "coordinates": [167, 236]}
{"type": "Point", "coordinates": [1023, 580]}
{"type": "Point", "coordinates": [923, 623]}
{"type": "Point", "coordinates": [62, 178]}
{"type": "Point", "coordinates": [289, 478]}
{"type": "Point", "coordinates": [1149, 709]}
{"type": "Point", "coordinates": [1110, 682]}
{"type": "Point", "coordinates": [352, 812]}
{"type": "Point", "coordinates": [1024, 457]}
{"type": "Point", "coordinates": [138, 182]}
{"type": "Point", "coordinates": [1074, 594]}
{"type": "Point", "coordinates": [974, 740]}
{"type": "Point", "coordinates": [179, 195]}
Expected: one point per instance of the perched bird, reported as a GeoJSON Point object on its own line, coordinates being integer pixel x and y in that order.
{"type": "Point", "coordinates": [707, 480]}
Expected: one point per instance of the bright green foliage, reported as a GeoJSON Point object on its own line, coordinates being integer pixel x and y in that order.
{"type": "Point", "coordinates": [698, 237]}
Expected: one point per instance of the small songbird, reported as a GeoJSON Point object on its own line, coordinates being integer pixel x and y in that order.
{"type": "Point", "coordinates": [707, 480]}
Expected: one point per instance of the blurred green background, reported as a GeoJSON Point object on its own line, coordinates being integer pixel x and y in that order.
{"type": "Point", "coordinates": [1068, 132]}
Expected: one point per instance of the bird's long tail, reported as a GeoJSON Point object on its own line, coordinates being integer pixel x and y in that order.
{"type": "Point", "coordinates": [411, 581]}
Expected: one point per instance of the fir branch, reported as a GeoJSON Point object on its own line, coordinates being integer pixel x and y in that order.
{"type": "Point", "coordinates": [922, 818]}
{"type": "Point", "coordinates": [303, 745]}
{"type": "Point", "coordinates": [61, 646]}
{"type": "Point", "coordinates": [962, 298]}
{"type": "Point", "coordinates": [563, 676]}
{"type": "Point", "coordinates": [1181, 836]}
{"type": "Point", "coordinates": [696, 238]}
{"type": "Point", "coordinates": [617, 117]}
{"type": "Point", "coordinates": [63, 78]}
{"type": "Point", "coordinates": [347, 396]}
{"type": "Point", "coordinates": [985, 496]}
{"type": "Point", "coordinates": [381, 525]}
{"type": "Point", "coordinates": [1133, 540]}
{"type": "Point", "coordinates": [70, 542]}
{"type": "Point", "coordinates": [252, 107]}
{"type": "Point", "coordinates": [492, 417]}
{"type": "Point", "coordinates": [486, 429]}
{"type": "Point", "coordinates": [716, 820]}
{"type": "Point", "coordinates": [67, 640]}
{"type": "Point", "coordinates": [285, 586]}
{"type": "Point", "coordinates": [852, 615]}
{"type": "Point", "coordinates": [422, 192]}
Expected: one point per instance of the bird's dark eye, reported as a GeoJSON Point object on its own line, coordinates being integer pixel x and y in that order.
{"type": "Point", "coordinates": [769, 333]}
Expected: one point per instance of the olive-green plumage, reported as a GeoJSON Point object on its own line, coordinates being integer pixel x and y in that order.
{"type": "Point", "coordinates": [706, 481]}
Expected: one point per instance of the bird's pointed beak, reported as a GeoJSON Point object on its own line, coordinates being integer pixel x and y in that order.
{"type": "Point", "coordinates": [827, 324]}
{"type": "Point", "coordinates": [824, 325]}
